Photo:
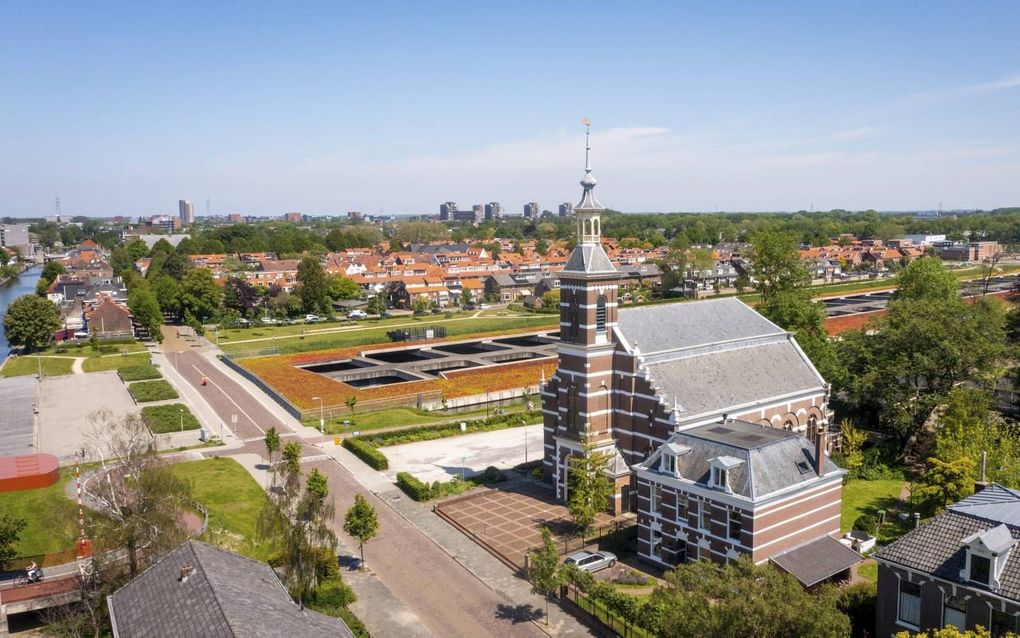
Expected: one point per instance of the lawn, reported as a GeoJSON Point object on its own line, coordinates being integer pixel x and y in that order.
{"type": "Point", "coordinates": [869, 571]}
{"type": "Point", "coordinates": [168, 418]}
{"type": "Point", "coordinates": [867, 497]}
{"type": "Point", "coordinates": [145, 391]}
{"type": "Point", "coordinates": [85, 350]}
{"type": "Point", "coordinates": [115, 362]}
{"type": "Point", "coordinates": [233, 499]}
{"type": "Point", "coordinates": [396, 417]}
{"type": "Point", "coordinates": [29, 364]}
{"type": "Point", "coordinates": [52, 517]}
{"type": "Point", "coordinates": [139, 373]}
{"type": "Point", "coordinates": [362, 336]}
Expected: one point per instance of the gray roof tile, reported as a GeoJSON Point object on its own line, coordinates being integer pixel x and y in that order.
{"type": "Point", "coordinates": [589, 258]}
{"type": "Point", "coordinates": [816, 560]}
{"type": "Point", "coordinates": [227, 595]}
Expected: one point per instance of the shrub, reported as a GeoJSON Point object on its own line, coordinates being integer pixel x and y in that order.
{"type": "Point", "coordinates": [633, 577]}
{"type": "Point", "coordinates": [367, 453]}
{"type": "Point", "coordinates": [414, 488]}
{"type": "Point", "coordinates": [139, 373]}
{"type": "Point", "coordinates": [866, 523]}
{"type": "Point", "coordinates": [537, 473]}
{"type": "Point", "coordinates": [331, 594]}
{"type": "Point", "coordinates": [145, 391]}
{"type": "Point", "coordinates": [444, 430]}
{"type": "Point", "coordinates": [167, 418]}
{"type": "Point", "coordinates": [858, 602]}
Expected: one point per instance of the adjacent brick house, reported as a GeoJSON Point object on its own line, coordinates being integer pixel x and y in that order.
{"type": "Point", "coordinates": [961, 568]}
{"type": "Point", "coordinates": [686, 382]}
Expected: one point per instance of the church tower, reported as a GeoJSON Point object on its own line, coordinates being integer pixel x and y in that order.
{"type": "Point", "coordinates": [576, 401]}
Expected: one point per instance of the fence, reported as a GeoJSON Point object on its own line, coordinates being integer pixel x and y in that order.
{"type": "Point", "coordinates": [254, 352]}
{"type": "Point", "coordinates": [579, 604]}
{"type": "Point", "coordinates": [419, 400]}
{"type": "Point", "coordinates": [262, 385]}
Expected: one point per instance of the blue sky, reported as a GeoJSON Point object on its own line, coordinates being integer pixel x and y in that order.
{"type": "Point", "coordinates": [124, 108]}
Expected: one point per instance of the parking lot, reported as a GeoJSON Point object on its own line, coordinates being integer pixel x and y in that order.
{"type": "Point", "coordinates": [66, 403]}
{"type": "Point", "coordinates": [441, 459]}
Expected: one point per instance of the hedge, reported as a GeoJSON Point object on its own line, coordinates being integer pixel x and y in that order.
{"type": "Point", "coordinates": [413, 487]}
{"type": "Point", "coordinates": [145, 391]}
{"type": "Point", "coordinates": [421, 491]}
{"type": "Point", "coordinates": [444, 430]}
{"type": "Point", "coordinates": [367, 453]}
{"type": "Point", "coordinates": [139, 373]}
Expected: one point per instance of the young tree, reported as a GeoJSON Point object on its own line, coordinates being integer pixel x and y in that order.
{"type": "Point", "coordinates": [272, 446]}
{"type": "Point", "coordinates": [314, 290]}
{"type": "Point", "coordinates": [543, 569]}
{"type": "Point", "coordinates": [10, 534]}
{"type": "Point", "coordinates": [351, 401]}
{"type": "Point", "coordinates": [362, 523]}
{"type": "Point", "coordinates": [421, 305]}
{"type": "Point", "coordinates": [588, 490]}
{"type": "Point", "coordinates": [140, 498]}
{"type": "Point", "coordinates": [853, 440]}
{"type": "Point", "coordinates": [376, 305]}
{"type": "Point", "coordinates": [31, 321]}
{"type": "Point", "coordinates": [467, 298]}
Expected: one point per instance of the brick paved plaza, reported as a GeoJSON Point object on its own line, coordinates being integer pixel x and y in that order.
{"type": "Point", "coordinates": [508, 521]}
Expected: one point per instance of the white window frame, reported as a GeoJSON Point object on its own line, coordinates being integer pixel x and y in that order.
{"type": "Point", "coordinates": [729, 523]}
{"type": "Point", "coordinates": [705, 514]}
{"type": "Point", "coordinates": [947, 608]}
{"type": "Point", "coordinates": [899, 605]}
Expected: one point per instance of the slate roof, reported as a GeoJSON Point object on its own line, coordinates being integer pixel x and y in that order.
{"type": "Point", "coordinates": [227, 595]}
{"type": "Point", "coordinates": [590, 258]}
{"type": "Point", "coordinates": [816, 560]}
{"type": "Point", "coordinates": [685, 325]}
{"type": "Point", "coordinates": [721, 379]}
{"type": "Point", "coordinates": [770, 459]}
{"type": "Point", "coordinates": [937, 547]}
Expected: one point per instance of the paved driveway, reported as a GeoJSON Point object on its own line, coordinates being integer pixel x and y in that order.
{"type": "Point", "coordinates": [439, 460]}
{"type": "Point", "coordinates": [66, 403]}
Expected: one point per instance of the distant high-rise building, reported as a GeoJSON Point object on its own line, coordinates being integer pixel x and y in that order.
{"type": "Point", "coordinates": [354, 215]}
{"type": "Point", "coordinates": [566, 209]}
{"type": "Point", "coordinates": [293, 217]}
{"type": "Point", "coordinates": [493, 210]}
{"type": "Point", "coordinates": [235, 218]}
{"type": "Point", "coordinates": [187, 212]}
{"type": "Point", "coordinates": [531, 210]}
{"type": "Point", "coordinates": [474, 216]}
{"type": "Point", "coordinates": [447, 210]}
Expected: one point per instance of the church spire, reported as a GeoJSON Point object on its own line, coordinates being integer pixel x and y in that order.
{"type": "Point", "coordinates": [588, 182]}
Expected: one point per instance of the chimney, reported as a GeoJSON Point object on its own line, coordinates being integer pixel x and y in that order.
{"type": "Point", "coordinates": [186, 571]}
{"type": "Point", "coordinates": [981, 484]}
{"type": "Point", "coordinates": [820, 449]}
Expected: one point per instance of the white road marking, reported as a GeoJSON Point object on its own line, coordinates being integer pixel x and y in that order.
{"type": "Point", "coordinates": [231, 399]}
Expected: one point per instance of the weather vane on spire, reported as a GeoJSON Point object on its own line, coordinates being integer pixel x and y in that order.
{"type": "Point", "coordinates": [588, 181]}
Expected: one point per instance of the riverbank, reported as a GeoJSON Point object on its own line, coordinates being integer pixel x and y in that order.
{"type": "Point", "coordinates": [11, 288]}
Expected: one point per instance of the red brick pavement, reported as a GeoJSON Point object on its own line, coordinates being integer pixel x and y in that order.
{"type": "Point", "coordinates": [508, 522]}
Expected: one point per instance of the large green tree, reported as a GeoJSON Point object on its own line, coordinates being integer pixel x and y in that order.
{"type": "Point", "coordinates": [776, 264]}
{"type": "Point", "coordinates": [200, 294]}
{"type": "Point", "coordinates": [362, 523]}
{"type": "Point", "coordinates": [314, 288]}
{"type": "Point", "coordinates": [926, 278]}
{"type": "Point", "coordinates": [10, 532]}
{"type": "Point", "coordinates": [31, 321]}
{"type": "Point", "coordinates": [342, 287]}
{"type": "Point", "coordinates": [168, 293]}
{"type": "Point", "coordinates": [746, 600]}
{"type": "Point", "coordinates": [145, 309]}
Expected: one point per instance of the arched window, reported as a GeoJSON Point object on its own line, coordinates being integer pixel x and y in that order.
{"type": "Point", "coordinates": [572, 405]}
{"type": "Point", "coordinates": [788, 425]}
{"type": "Point", "coordinates": [812, 427]}
{"type": "Point", "coordinates": [600, 315]}
{"type": "Point", "coordinates": [595, 226]}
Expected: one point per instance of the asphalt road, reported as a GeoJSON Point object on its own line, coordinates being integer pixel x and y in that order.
{"type": "Point", "coordinates": [444, 595]}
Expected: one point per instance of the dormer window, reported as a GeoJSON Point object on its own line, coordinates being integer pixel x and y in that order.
{"type": "Point", "coordinates": [980, 569]}
{"type": "Point", "coordinates": [987, 554]}
{"type": "Point", "coordinates": [667, 464]}
{"type": "Point", "coordinates": [722, 468]}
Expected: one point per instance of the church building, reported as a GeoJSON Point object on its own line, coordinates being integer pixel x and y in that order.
{"type": "Point", "coordinates": [713, 419]}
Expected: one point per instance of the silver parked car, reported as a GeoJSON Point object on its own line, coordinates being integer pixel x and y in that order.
{"type": "Point", "coordinates": [591, 561]}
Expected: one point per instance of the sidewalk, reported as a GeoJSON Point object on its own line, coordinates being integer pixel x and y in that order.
{"type": "Point", "coordinates": [383, 613]}
{"type": "Point", "coordinates": [480, 563]}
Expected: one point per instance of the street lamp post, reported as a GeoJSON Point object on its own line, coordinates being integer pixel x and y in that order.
{"type": "Point", "coordinates": [182, 426]}
{"type": "Point", "coordinates": [525, 424]}
{"type": "Point", "coordinates": [322, 421]}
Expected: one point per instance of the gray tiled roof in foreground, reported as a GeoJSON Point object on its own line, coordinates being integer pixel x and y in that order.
{"type": "Point", "coordinates": [816, 560]}
{"type": "Point", "coordinates": [687, 325]}
{"type": "Point", "coordinates": [737, 376]}
{"type": "Point", "coordinates": [227, 595]}
{"type": "Point", "coordinates": [937, 548]}
{"type": "Point", "coordinates": [17, 419]}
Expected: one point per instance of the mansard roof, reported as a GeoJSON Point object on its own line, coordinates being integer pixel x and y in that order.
{"type": "Point", "coordinates": [770, 459]}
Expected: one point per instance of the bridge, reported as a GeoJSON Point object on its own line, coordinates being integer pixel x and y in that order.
{"type": "Point", "coordinates": [52, 592]}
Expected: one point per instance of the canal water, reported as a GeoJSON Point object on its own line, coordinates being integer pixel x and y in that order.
{"type": "Point", "coordinates": [23, 284]}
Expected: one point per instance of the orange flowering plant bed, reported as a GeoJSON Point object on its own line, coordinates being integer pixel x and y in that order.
{"type": "Point", "coordinates": [298, 385]}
